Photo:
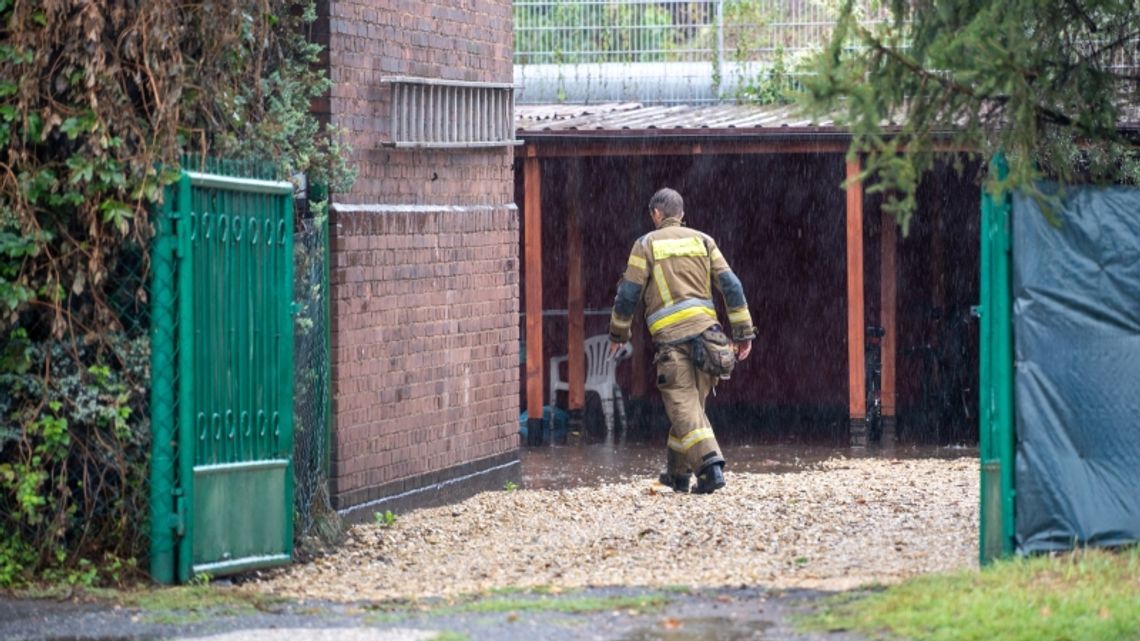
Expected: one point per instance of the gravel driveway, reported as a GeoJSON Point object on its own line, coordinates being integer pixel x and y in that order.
{"type": "Point", "coordinates": [837, 524]}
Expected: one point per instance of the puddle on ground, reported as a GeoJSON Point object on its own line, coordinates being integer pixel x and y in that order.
{"type": "Point", "coordinates": [701, 629]}
{"type": "Point", "coordinates": [587, 464]}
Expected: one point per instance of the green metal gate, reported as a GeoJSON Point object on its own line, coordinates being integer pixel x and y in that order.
{"type": "Point", "coordinates": [996, 433]}
{"type": "Point", "coordinates": [222, 377]}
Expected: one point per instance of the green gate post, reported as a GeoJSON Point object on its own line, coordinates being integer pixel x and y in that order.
{"type": "Point", "coordinates": [996, 431]}
{"type": "Point", "coordinates": [185, 380]}
{"type": "Point", "coordinates": [285, 442]}
{"type": "Point", "coordinates": [162, 396]}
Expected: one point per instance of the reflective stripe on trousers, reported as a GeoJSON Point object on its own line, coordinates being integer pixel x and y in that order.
{"type": "Point", "coordinates": [684, 390]}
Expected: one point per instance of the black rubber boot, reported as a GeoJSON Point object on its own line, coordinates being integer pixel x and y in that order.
{"type": "Point", "coordinates": [680, 484]}
{"type": "Point", "coordinates": [710, 478]}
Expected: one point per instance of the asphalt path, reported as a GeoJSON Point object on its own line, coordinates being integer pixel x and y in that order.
{"type": "Point", "coordinates": [741, 614]}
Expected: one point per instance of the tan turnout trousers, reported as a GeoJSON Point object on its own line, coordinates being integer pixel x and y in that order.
{"type": "Point", "coordinates": [684, 389]}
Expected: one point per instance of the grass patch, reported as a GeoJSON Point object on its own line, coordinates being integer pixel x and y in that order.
{"type": "Point", "coordinates": [164, 605]}
{"type": "Point", "coordinates": [450, 635]}
{"type": "Point", "coordinates": [173, 605]}
{"type": "Point", "coordinates": [515, 601]}
{"type": "Point", "coordinates": [1087, 594]}
{"type": "Point", "coordinates": [561, 604]}
{"type": "Point", "coordinates": [197, 597]}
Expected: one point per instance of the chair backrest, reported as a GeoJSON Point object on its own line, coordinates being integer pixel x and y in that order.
{"type": "Point", "coordinates": [599, 367]}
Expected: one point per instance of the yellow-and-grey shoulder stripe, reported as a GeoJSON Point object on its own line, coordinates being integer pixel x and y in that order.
{"type": "Point", "coordinates": [672, 314]}
{"type": "Point", "coordinates": [637, 261]}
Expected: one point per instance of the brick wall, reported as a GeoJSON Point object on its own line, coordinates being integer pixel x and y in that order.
{"type": "Point", "coordinates": [424, 262]}
{"type": "Point", "coordinates": [468, 40]}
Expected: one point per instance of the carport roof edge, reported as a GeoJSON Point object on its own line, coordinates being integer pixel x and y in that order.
{"type": "Point", "coordinates": [635, 120]}
{"type": "Point", "coordinates": [629, 122]}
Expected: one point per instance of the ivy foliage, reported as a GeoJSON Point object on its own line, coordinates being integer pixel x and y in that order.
{"type": "Point", "coordinates": [73, 459]}
{"type": "Point", "coordinates": [1047, 83]}
{"type": "Point", "coordinates": [99, 99]}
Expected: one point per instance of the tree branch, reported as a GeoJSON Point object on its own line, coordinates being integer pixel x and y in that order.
{"type": "Point", "coordinates": [1047, 114]}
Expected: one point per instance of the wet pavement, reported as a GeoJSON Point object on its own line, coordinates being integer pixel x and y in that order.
{"type": "Point", "coordinates": [584, 464]}
{"type": "Point", "coordinates": [713, 615]}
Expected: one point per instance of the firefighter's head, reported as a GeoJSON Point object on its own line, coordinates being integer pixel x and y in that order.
{"type": "Point", "coordinates": [666, 203]}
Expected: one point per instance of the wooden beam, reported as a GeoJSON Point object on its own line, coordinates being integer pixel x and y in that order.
{"type": "Point", "coordinates": [645, 147]}
{"type": "Point", "coordinates": [888, 313]}
{"type": "Point", "coordinates": [576, 299]}
{"type": "Point", "coordinates": [551, 147]}
{"type": "Point", "coordinates": [532, 249]}
{"type": "Point", "coordinates": [857, 393]}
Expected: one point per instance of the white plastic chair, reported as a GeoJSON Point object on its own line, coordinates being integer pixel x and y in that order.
{"type": "Point", "coordinates": [600, 376]}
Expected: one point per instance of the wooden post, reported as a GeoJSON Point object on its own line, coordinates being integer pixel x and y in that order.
{"type": "Point", "coordinates": [576, 303]}
{"type": "Point", "coordinates": [888, 302]}
{"type": "Point", "coordinates": [532, 248]}
{"type": "Point", "coordinates": [857, 392]}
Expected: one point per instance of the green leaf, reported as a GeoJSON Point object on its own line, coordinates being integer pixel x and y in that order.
{"type": "Point", "coordinates": [117, 213]}
{"type": "Point", "coordinates": [82, 169]}
{"type": "Point", "coordinates": [35, 127]}
{"type": "Point", "coordinates": [74, 126]}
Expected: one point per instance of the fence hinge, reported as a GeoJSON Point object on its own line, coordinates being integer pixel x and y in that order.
{"type": "Point", "coordinates": [177, 523]}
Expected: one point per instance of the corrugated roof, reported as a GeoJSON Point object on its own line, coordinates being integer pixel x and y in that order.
{"type": "Point", "coordinates": [633, 117]}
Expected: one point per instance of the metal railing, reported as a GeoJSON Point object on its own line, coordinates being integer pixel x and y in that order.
{"type": "Point", "coordinates": [583, 31]}
{"type": "Point", "coordinates": [663, 51]}
{"type": "Point", "coordinates": [688, 51]}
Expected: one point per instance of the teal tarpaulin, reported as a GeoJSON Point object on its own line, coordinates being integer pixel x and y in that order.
{"type": "Point", "coordinates": [1076, 326]}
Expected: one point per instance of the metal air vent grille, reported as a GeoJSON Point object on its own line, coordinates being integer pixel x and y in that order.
{"type": "Point", "coordinates": [443, 114]}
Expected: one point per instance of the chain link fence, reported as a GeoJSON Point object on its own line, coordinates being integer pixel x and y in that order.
{"type": "Point", "coordinates": [316, 521]}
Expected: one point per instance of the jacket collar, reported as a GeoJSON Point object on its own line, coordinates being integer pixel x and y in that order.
{"type": "Point", "coordinates": [669, 222]}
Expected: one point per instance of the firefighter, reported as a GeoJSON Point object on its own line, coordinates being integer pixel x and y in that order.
{"type": "Point", "coordinates": [674, 268]}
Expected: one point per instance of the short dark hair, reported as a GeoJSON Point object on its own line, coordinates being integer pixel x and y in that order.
{"type": "Point", "coordinates": [669, 202]}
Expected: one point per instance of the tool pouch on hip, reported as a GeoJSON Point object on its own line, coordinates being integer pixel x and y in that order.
{"type": "Point", "coordinates": [713, 353]}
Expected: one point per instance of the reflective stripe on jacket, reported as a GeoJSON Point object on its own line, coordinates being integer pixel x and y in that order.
{"type": "Point", "coordinates": [673, 269]}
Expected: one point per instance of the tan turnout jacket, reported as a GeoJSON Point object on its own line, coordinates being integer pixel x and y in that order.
{"type": "Point", "coordinates": [676, 268]}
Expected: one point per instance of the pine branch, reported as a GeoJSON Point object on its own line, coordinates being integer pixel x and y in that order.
{"type": "Point", "coordinates": [1047, 114]}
